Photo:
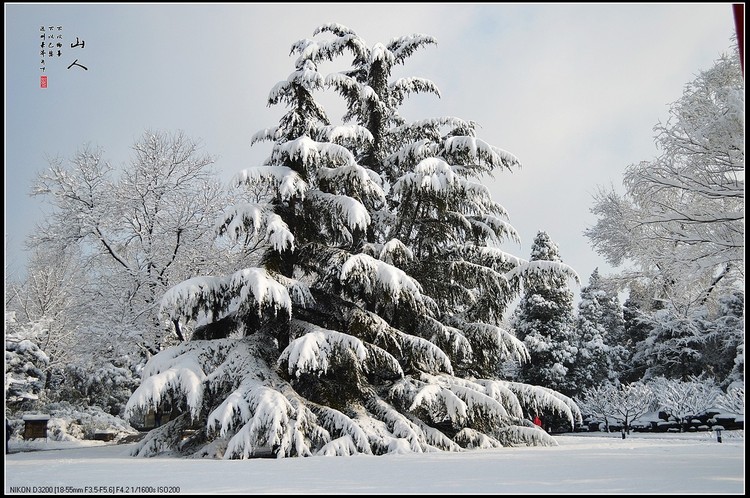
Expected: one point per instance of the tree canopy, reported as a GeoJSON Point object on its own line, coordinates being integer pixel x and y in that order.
{"type": "Point", "coordinates": [373, 324]}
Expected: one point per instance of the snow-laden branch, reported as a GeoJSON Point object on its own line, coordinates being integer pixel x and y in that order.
{"type": "Point", "coordinates": [286, 182]}
{"type": "Point", "coordinates": [402, 87]}
{"type": "Point", "coordinates": [252, 288]}
{"type": "Point", "coordinates": [262, 413]}
{"type": "Point", "coordinates": [492, 229]}
{"type": "Point", "coordinates": [345, 212]}
{"type": "Point", "coordinates": [306, 76]}
{"type": "Point", "coordinates": [179, 371]}
{"type": "Point", "coordinates": [477, 150]}
{"type": "Point", "coordinates": [423, 353]}
{"type": "Point", "coordinates": [509, 345]}
{"type": "Point", "coordinates": [537, 399]}
{"type": "Point", "coordinates": [543, 268]}
{"type": "Point", "coordinates": [312, 154]}
{"type": "Point", "coordinates": [412, 153]}
{"type": "Point", "coordinates": [394, 252]}
{"type": "Point", "coordinates": [372, 276]}
{"type": "Point", "coordinates": [338, 423]}
{"type": "Point", "coordinates": [319, 349]}
{"type": "Point", "coordinates": [251, 219]}
{"type": "Point", "coordinates": [346, 133]}
{"type": "Point", "coordinates": [403, 46]}
{"type": "Point", "coordinates": [353, 178]}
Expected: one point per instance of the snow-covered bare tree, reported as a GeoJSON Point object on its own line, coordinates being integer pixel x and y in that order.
{"type": "Point", "coordinates": [623, 403]}
{"type": "Point", "coordinates": [141, 231]}
{"type": "Point", "coordinates": [373, 322]}
{"type": "Point", "coordinates": [545, 322]}
{"type": "Point", "coordinates": [54, 310]}
{"type": "Point", "coordinates": [733, 400]}
{"type": "Point", "coordinates": [684, 399]}
{"type": "Point", "coordinates": [681, 219]}
{"type": "Point", "coordinates": [50, 303]}
{"type": "Point", "coordinates": [596, 402]}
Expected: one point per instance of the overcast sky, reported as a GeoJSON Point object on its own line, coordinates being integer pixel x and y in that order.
{"type": "Point", "coordinates": [573, 90]}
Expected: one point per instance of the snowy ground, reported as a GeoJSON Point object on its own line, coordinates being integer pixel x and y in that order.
{"type": "Point", "coordinates": [593, 463]}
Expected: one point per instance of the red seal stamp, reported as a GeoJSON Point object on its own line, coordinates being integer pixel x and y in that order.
{"type": "Point", "coordinates": [43, 81]}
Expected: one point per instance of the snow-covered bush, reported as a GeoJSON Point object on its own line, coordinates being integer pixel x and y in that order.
{"type": "Point", "coordinates": [25, 374]}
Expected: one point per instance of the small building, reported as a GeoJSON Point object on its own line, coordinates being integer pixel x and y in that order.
{"type": "Point", "coordinates": [105, 435]}
{"type": "Point", "coordinates": [151, 419]}
{"type": "Point", "coordinates": [35, 426]}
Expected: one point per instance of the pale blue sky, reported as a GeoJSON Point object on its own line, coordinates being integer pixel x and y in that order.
{"type": "Point", "coordinates": [573, 90]}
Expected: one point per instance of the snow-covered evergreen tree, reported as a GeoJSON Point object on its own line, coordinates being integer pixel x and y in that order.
{"type": "Point", "coordinates": [599, 327]}
{"type": "Point", "coordinates": [636, 312]}
{"type": "Point", "coordinates": [679, 344]}
{"type": "Point", "coordinates": [674, 345]}
{"type": "Point", "coordinates": [545, 322]}
{"type": "Point", "coordinates": [25, 368]}
{"type": "Point", "coordinates": [373, 323]}
{"type": "Point", "coordinates": [723, 349]}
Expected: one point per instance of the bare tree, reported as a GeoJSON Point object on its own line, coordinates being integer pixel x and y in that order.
{"type": "Point", "coordinates": [138, 233]}
{"type": "Point", "coordinates": [621, 402]}
{"type": "Point", "coordinates": [681, 219]}
{"type": "Point", "coordinates": [684, 399]}
{"type": "Point", "coordinates": [733, 400]}
{"type": "Point", "coordinates": [49, 304]}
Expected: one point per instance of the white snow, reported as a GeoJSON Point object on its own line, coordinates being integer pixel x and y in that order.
{"type": "Point", "coordinates": [256, 282]}
{"type": "Point", "coordinates": [350, 212]}
{"type": "Point", "coordinates": [593, 463]}
{"type": "Point", "coordinates": [349, 132]}
{"type": "Point", "coordinates": [278, 234]}
{"type": "Point", "coordinates": [248, 218]}
{"type": "Point", "coordinates": [311, 352]}
{"type": "Point", "coordinates": [540, 267]}
{"type": "Point", "coordinates": [251, 286]}
{"type": "Point", "coordinates": [35, 417]}
{"type": "Point", "coordinates": [312, 153]}
{"type": "Point", "coordinates": [355, 176]}
{"type": "Point", "coordinates": [238, 218]}
{"type": "Point", "coordinates": [479, 149]}
{"type": "Point", "coordinates": [284, 179]}
{"type": "Point", "coordinates": [177, 370]}
{"type": "Point", "coordinates": [395, 250]}
{"type": "Point", "coordinates": [375, 275]}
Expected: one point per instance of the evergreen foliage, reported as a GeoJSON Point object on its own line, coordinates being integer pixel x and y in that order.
{"type": "Point", "coordinates": [373, 324]}
{"type": "Point", "coordinates": [545, 321]}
